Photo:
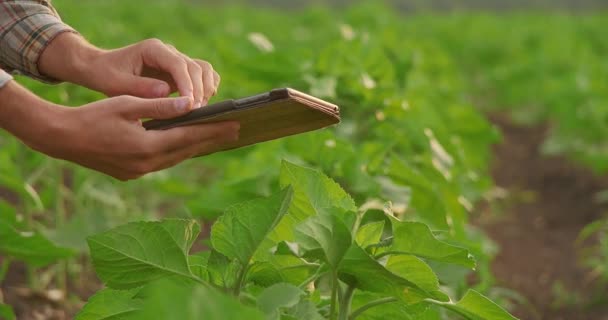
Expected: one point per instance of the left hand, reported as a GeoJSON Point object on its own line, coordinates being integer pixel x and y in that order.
{"type": "Point", "coordinates": [148, 69]}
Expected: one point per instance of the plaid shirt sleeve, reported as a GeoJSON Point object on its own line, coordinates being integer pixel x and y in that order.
{"type": "Point", "coordinates": [26, 28]}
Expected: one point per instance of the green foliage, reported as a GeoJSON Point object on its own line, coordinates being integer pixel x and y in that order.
{"type": "Point", "coordinates": [240, 231]}
{"type": "Point", "coordinates": [169, 283]}
{"type": "Point", "coordinates": [20, 243]}
{"type": "Point", "coordinates": [6, 312]}
{"type": "Point", "coordinates": [110, 304]}
{"type": "Point", "coordinates": [139, 252]}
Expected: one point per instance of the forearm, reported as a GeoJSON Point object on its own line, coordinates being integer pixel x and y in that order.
{"type": "Point", "coordinates": [27, 116]}
{"type": "Point", "coordinates": [68, 58]}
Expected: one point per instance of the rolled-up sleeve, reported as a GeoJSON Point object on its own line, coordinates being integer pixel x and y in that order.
{"type": "Point", "coordinates": [26, 28]}
{"type": "Point", "coordinates": [4, 78]}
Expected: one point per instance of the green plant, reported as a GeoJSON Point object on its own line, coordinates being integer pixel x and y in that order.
{"type": "Point", "coordinates": [301, 253]}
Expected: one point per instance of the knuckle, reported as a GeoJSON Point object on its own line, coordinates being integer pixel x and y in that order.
{"type": "Point", "coordinates": [153, 42]}
{"type": "Point", "coordinates": [157, 106]}
{"type": "Point", "coordinates": [195, 66]}
{"type": "Point", "coordinates": [205, 65]}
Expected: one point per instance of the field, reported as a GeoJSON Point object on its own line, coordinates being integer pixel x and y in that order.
{"type": "Point", "coordinates": [467, 179]}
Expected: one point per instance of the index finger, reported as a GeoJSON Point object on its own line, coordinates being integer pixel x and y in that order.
{"type": "Point", "coordinates": [158, 55]}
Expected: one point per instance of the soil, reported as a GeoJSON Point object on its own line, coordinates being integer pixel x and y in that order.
{"type": "Point", "coordinates": [551, 200]}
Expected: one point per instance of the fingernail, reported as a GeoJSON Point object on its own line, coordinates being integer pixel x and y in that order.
{"type": "Point", "coordinates": [182, 104]}
{"type": "Point", "coordinates": [197, 105]}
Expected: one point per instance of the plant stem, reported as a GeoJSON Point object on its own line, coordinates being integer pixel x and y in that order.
{"type": "Point", "coordinates": [370, 305]}
{"type": "Point", "coordinates": [314, 277]}
{"type": "Point", "coordinates": [241, 280]}
{"type": "Point", "coordinates": [334, 294]}
{"type": "Point", "coordinates": [345, 303]}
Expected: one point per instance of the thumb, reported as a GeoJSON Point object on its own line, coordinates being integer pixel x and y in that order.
{"type": "Point", "coordinates": [160, 108]}
{"type": "Point", "coordinates": [142, 87]}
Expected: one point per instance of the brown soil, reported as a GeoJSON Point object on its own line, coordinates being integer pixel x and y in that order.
{"type": "Point", "coordinates": [551, 200]}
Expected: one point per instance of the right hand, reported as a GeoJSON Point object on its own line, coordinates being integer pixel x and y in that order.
{"type": "Point", "coordinates": [108, 136]}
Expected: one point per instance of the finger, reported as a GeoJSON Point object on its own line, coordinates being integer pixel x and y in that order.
{"type": "Point", "coordinates": [143, 87]}
{"type": "Point", "coordinates": [162, 108]}
{"type": "Point", "coordinates": [208, 80]}
{"type": "Point", "coordinates": [182, 137]}
{"type": "Point", "coordinates": [216, 81]}
{"type": "Point", "coordinates": [196, 76]}
{"type": "Point", "coordinates": [205, 147]}
{"type": "Point", "coordinates": [158, 55]}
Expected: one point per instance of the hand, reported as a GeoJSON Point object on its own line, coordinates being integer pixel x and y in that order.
{"type": "Point", "coordinates": [148, 69]}
{"type": "Point", "coordinates": [107, 135]}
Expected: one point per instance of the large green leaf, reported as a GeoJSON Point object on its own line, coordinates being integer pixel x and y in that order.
{"type": "Point", "coordinates": [475, 306]}
{"type": "Point", "coordinates": [28, 246]}
{"type": "Point", "coordinates": [168, 299]}
{"type": "Point", "coordinates": [417, 239]}
{"type": "Point", "coordinates": [359, 269]}
{"type": "Point", "coordinates": [325, 236]}
{"type": "Point", "coordinates": [109, 304]}
{"type": "Point", "coordinates": [313, 191]}
{"type": "Point", "coordinates": [240, 231]}
{"type": "Point", "coordinates": [136, 253]}
{"type": "Point", "coordinates": [277, 297]}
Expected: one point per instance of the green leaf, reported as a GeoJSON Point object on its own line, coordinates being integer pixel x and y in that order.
{"type": "Point", "coordinates": [199, 264]}
{"type": "Point", "coordinates": [6, 312]}
{"type": "Point", "coordinates": [305, 310]}
{"type": "Point", "coordinates": [475, 306]}
{"type": "Point", "coordinates": [417, 239]}
{"type": "Point", "coordinates": [324, 235]}
{"type": "Point", "coordinates": [240, 231]}
{"type": "Point", "coordinates": [277, 297]}
{"type": "Point", "coordinates": [359, 269]}
{"type": "Point", "coordinates": [28, 246]}
{"type": "Point", "coordinates": [137, 253]}
{"type": "Point", "coordinates": [370, 233]}
{"type": "Point", "coordinates": [110, 304]}
{"type": "Point", "coordinates": [392, 310]}
{"type": "Point", "coordinates": [221, 270]}
{"type": "Point", "coordinates": [264, 274]}
{"type": "Point", "coordinates": [168, 299]}
{"type": "Point", "coordinates": [313, 191]}
{"type": "Point", "coordinates": [417, 271]}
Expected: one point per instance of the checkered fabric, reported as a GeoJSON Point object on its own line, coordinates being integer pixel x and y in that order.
{"type": "Point", "coordinates": [26, 28]}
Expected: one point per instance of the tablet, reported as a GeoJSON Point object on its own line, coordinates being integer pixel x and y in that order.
{"type": "Point", "coordinates": [263, 117]}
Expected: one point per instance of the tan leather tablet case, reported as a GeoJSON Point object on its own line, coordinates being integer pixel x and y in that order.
{"type": "Point", "coordinates": [268, 116]}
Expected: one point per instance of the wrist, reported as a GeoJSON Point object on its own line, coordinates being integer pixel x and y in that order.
{"type": "Point", "coordinates": [29, 118]}
{"type": "Point", "coordinates": [69, 57]}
